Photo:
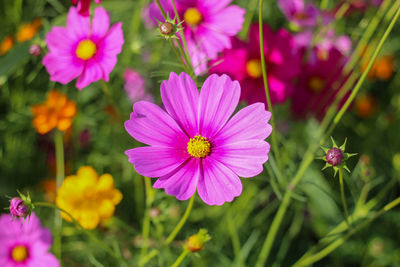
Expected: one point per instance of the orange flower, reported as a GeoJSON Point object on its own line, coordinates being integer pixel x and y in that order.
{"type": "Point", "coordinates": [365, 105]}
{"type": "Point", "coordinates": [381, 69]}
{"type": "Point", "coordinates": [29, 30]}
{"type": "Point", "coordinates": [6, 45]}
{"type": "Point", "coordinates": [56, 111]}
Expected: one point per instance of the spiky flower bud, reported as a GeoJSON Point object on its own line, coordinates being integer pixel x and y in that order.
{"type": "Point", "coordinates": [169, 28]}
{"type": "Point", "coordinates": [18, 207]}
{"type": "Point", "coordinates": [196, 242]}
{"type": "Point", "coordinates": [21, 206]}
{"type": "Point", "coordinates": [336, 157]}
{"type": "Point", "coordinates": [166, 28]}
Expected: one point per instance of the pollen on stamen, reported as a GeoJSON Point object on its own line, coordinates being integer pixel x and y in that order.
{"type": "Point", "coordinates": [199, 147]}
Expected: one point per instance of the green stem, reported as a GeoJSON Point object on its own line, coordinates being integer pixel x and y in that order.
{"type": "Point", "coordinates": [338, 242]}
{"type": "Point", "coordinates": [180, 56]}
{"type": "Point", "coordinates": [273, 230]}
{"type": "Point", "coordinates": [346, 213]}
{"type": "Point", "coordinates": [367, 70]}
{"type": "Point", "coordinates": [60, 172]}
{"type": "Point", "coordinates": [146, 220]}
{"type": "Point", "coordinates": [149, 256]}
{"type": "Point", "coordinates": [188, 60]}
{"type": "Point", "coordinates": [161, 9]}
{"type": "Point", "coordinates": [80, 228]}
{"type": "Point", "coordinates": [309, 155]}
{"type": "Point", "coordinates": [264, 73]}
{"type": "Point", "coordinates": [235, 237]}
{"type": "Point", "coordinates": [180, 258]}
{"type": "Point", "coordinates": [179, 226]}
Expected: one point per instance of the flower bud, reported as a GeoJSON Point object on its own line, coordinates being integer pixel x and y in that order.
{"type": "Point", "coordinates": [18, 208]}
{"type": "Point", "coordinates": [334, 156]}
{"type": "Point", "coordinates": [35, 50]}
{"type": "Point", "coordinates": [166, 28]}
{"type": "Point", "coordinates": [196, 242]}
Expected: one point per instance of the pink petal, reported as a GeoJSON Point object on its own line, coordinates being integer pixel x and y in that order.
{"type": "Point", "coordinates": [77, 25]}
{"type": "Point", "coordinates": [249, 123]}
{"type": "Point", "coordinates": [100, 22]}
{"type": "Point", "coordinates": [156, 161]}
{"type": "Point", "coordinates": [183, 181]}
{"type": "Point", "coordinates": [58, 40]}
{"type": "Point", "coordinates": [218, 99]}
{"type": "Point", "coordinates": [151, 125]}
{"type": "Point", "coordinates": [91, 73]}
{"type": "Point", "coordinates": [213, 42]}
{"type": "Point", "coordinates": [108, 49]}
{"type": "Point", "coordinates": [228, 20]}
{"type": "Point", "coordinates": [63, 68]}
{"type": "Point", "coordinates": [214, 5]}
{"type": "Point", "coordinates": [232, 62]}
{"type": "Point", "coordinates": [245, 158]}
{"type": "Point", "coordinates": [218, 184]}
{"type": "Point", "coordinates": [181, 97]}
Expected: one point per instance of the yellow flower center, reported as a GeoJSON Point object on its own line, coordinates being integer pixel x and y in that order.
{"type": "Point", "coordinates": [192, 16]}
{"type": "Point", "coordinates": [19, 253]}
{"type": "Point", "coordinates": [199, 147]}
{"type": "Point", "coordinates": [253, 67]}
{"type": "Point", "coordinates": [86, 49]}
{"type": "Point", "coordinates": [316, 84]}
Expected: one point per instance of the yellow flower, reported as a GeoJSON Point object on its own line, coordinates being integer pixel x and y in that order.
{"type": "Point", "coordinates": [29, 30]}
{"type": "Point", "coordinates": [88, 198]}
{"type": "Point", "coordinates": [56, 111]}
{"type": "Point", "coordinates": [6, 45]}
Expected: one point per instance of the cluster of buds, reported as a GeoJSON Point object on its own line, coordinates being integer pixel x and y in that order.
{"type": "Point", "coordinates": [336, 157]}
{"type": "Point", "coordinates": [22, 206]}
{"type": "Point", "coordinates": [196, 242]}
{"type": "Point", "coordinates": [169, 28]}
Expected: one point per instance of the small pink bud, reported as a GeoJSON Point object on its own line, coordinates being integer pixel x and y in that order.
{"type": "Point", "coordinates": [334, 156]}
{"type": "Point", "coordinates": [35, 50]}
{"type": "Point", "coordinates": [18, 208]}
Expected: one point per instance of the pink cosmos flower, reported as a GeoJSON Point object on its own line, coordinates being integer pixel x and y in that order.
{"type": "Point", "coordinates": [324, 43]}
{"type": "Point", "coordinates": [299, 13]}
{"type": "Point", "coordinates": [84, 6]}
{"type": "Point", "coordinates": [83, 50]}
{"type": "Point", "coordinates": [135, 86]}
{"type": "Point", "coordinates": [318, 84]}
{"type": "Point", "coordinates": [242, 63]}
{"type": "Point", "coordinates": [193, 145]}
{"type": "Point", "coordinates": [25, 243]}
{"type": "Point", "coordinates": [208, 26]}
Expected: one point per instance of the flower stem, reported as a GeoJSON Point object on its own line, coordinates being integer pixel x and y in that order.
{"type": "Point", "coordinates": [338, 242]}
{"type": "Point", "coordinates": [187, 55]}
{"type": "Point", "coordinates": [367, 70]}
{"type": "Point", "coordinates": [235, 237]}
{"type": "Point", "coordinates": [60, 172]}
{"type": "Point", "coordinates": [80, 228]}
{"type": "Point", "coordinates": [264, 73]}
{"type": "Point", "coordinates": [180, 258]}
{"type": "Point", "coordinates": [161, 9]}
{"type": "Point", "coordinates": [308, 159]}
{"type": "Point", "coordinates": [346, 212]}
{"type": "Point", "coordinates": [179, 226]}
{"type": "Point", "coordinates": [146, 220]}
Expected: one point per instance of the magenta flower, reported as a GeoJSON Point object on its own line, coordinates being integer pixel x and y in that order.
{"type": "Point", "coordinates": [83, 50]}
{"type": "Point", "coordinates": [208, 26]}
{"type": "Point", "coordinates": [84, 6]}
{"type": "Point", "coordinates": [318, 84]}
{"type": "Point", "coordinates": [18, 207]}
{"type": "Point", "coordinates": [302, 15]}
{"type": "Point", "coordinates": [242, 63]}
{"type": "Point", "coordinates": [25, 243]}
{"type": "Point", "coordinates": [194, 145]}
{"type": "Point", "coordinates": [135, 86]}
